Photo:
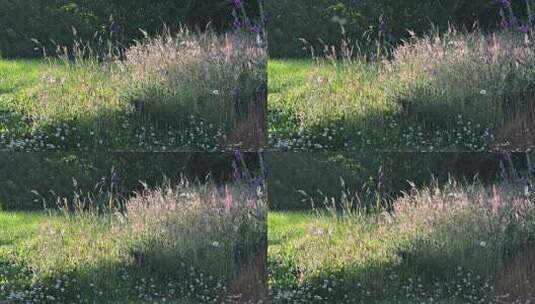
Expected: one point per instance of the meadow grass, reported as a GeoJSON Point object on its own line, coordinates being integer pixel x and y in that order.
{"type": "Point", "coordinates": [17, 74]}
{"type": "Point", "coordinates": [455, 243]}
{"type": "Point", "coordinates": [17, 226]}
{"type": "Point", "coordinates": [454, 91]}
{"type": "Point", "coordinates": [184, 91]}
{"type": "Point", "coordinates": [183, 243]}
{"type": "Point", "coordinates": [286, 75]}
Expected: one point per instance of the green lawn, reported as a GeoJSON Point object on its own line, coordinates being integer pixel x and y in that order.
{"type": "Point", "coordinates": [18, 74]}
{"type": "Point", "coordinates": [286, 75]}
{"type": "Point", "coordinates": [18, 226]}
{"type": "Point", "coordinates": [286, 228]}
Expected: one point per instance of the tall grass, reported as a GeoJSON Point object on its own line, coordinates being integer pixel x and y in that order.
{"type": "Point", "coordinates": [189, 90]}
{"type": "Point", "coordinates": [449, 243]}
{"type": "Point", "coordinates": [456, 90]}
{"type": "Point", "coordinates": [455, 73]}
{"type": "Point", "coordinates": [186, 242]}
{"type": "Point", "coordinates": [203, 227]}
{"type": "Point", "coordinates": [170, 77]}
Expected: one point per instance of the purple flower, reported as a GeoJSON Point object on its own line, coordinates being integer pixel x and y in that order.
{"type": "Point", "coordinates": [237, 24]}
{"type": "Point", "coordinates": [258, 182]}
{"type": "Point", "coordinates": [237, 3]}
{"type": "Point", "coordinates": [505, 3]}
{"type": "Point", "coordinates": [237, 155]}
{"type": "Point", "coordinates": [256, 29]}
{"type": "Point", "coordinates": [266, 18]}
{"type": "Point", "coordinates": [525, 180]}
{"type": "Point", "coordinates": [514, 21]}
{"type": "Point", "coordinates": [382, 24]}
{"type": "Point", "coordinates": [502, 15]}
{"type": "Point", "coordinates": [114, 27]}
{"type": "Point", "coordinates": [526, 28]}
{"type": "Point", "coordinates": [236, 172]}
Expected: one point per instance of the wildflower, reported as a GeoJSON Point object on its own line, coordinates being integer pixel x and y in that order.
{"type": "Point", "coordinates": [382, 24]}
{"type": "Point", "coordinates": [483, 92]}
{"type": "Point", "coordinates": [256, 29]}
{"type": "Point", "coordinates": [237, 155]}
{"type": "Point", "coordinates": [237, 23]}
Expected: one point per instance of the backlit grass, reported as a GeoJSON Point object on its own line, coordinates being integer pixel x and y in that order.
{"type": "Point", "coordinates": [188, 91]}
{"type": "Point", "coordinates": [456, 243]}
{"type": "Point", "coordinates": [183, 243]}
{"type": "Point", "coordinates": [450, 92]}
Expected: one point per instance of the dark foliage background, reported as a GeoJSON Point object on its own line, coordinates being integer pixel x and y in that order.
{"type": "Point", "coordinates": [60, 174]}
{"type": "Point", "coordinates": [46, 20]}
{"type": "Point", "coordinates": [291, 20]}
{"type": "Point", "coordinates": [369, 174]}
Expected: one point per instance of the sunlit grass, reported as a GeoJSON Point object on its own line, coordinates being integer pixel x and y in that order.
{"type": "Point", "coordinates": [455, 91]}
{"type": "Point", "coordinates": [187, 91]}
{"type": "Point", "coordinates": [447, 244]}
{"type": "Point", "coordinates": [171, 245]}
{"type": "Point", "coordinates": [18, 226]}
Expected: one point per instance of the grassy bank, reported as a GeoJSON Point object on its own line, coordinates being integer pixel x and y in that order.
{"type": "Point", "coordinates": [188, 92]}
{"type": "Point", "coordinates": [181, 243]}
{"type": "Point", "coordinates": [442, 92]}
{"type": "Point", "coordinates": [456, 243]}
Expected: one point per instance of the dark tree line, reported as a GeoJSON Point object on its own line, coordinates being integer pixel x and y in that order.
{"type": "Point", "coordinates": [385, 20]}
{"type": "Point", "coordinates": [51, 21]}
{"type": "Point", "coordinates": [26, 179]}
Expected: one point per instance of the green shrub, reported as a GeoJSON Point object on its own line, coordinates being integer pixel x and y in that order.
{"type": "Point", "coordinates": [455, 91]}
{"type": "Point", "coordinates": [186, 91]}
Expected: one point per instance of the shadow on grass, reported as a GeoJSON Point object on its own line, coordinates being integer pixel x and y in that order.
{"type": "Point", "coordinates": [131, 281]}
{"type": "Point", "coordinates": [481, 123]}
{"type": "Point", "coordinates": [414, 275]}
{"type": "Point", "coordinates": [518, 281]}
{"type": "Point", "coordinates": [137, 128]}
